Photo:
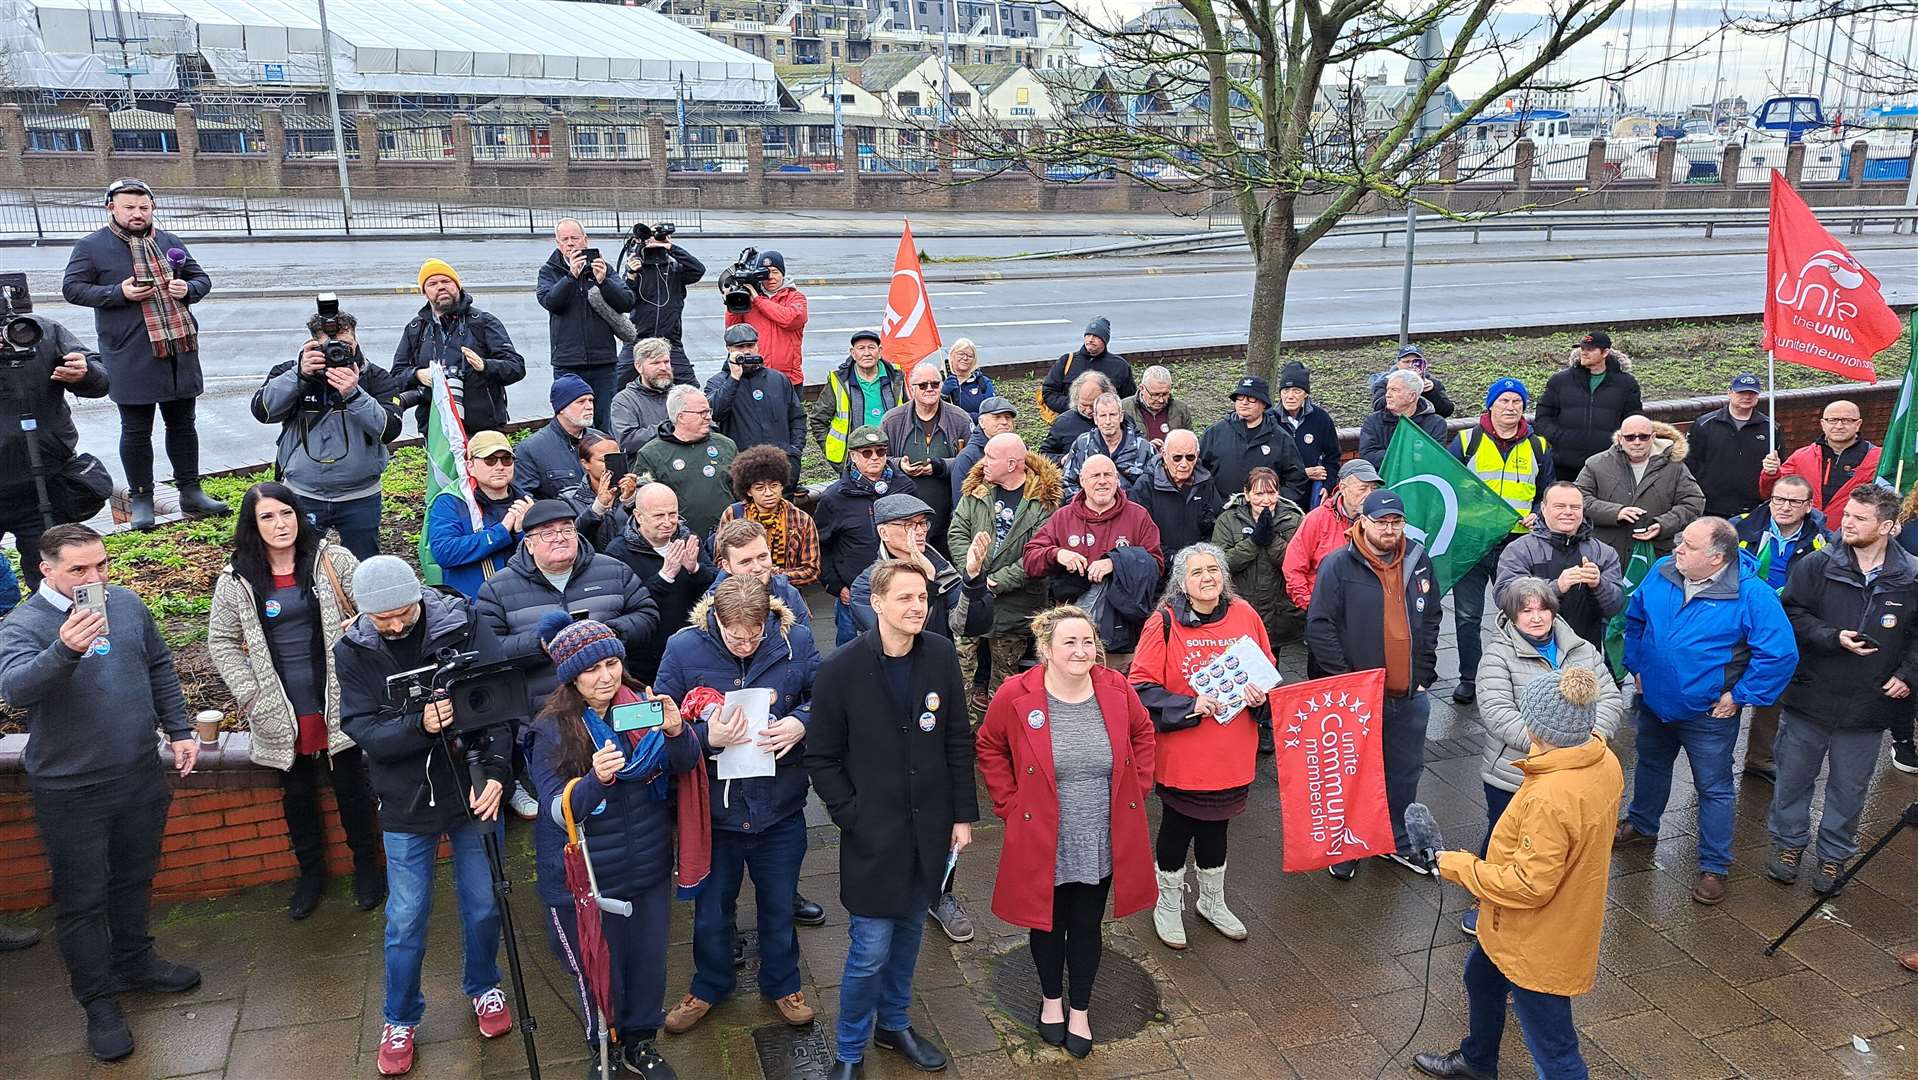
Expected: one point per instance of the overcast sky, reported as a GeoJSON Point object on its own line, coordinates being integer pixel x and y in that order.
{"type": "Point", "coordinates": [1753, 65]}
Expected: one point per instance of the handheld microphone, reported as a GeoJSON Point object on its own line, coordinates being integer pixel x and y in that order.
{"type": "Point", "coordinates": [1422, 833]}
{"type": "Point", "coordinates": [176, 256]}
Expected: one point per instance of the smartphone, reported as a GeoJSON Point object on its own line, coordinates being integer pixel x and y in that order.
{"type": "Point", "coordinates": [1867, 639]}
{"type": "Point", "coordinates": [638, 716]}
{"type": "Point", "coordinates": [590, 254]}
{"type": "Point", "coordinates": [141, 277]}
{"type": "Point", "coordinates": [92, 596]}
{"type": "Point", "coordinates": [616, 465]}
{"type": "Point", "coordinates": [579, 614]}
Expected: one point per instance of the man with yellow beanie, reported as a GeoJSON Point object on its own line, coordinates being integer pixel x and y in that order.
{"type": "Point", "coordinates": [1540, 887]}
{"type": "Point", "coordinates": [466, 344]}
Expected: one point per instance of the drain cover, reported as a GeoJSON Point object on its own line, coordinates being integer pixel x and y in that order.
{"type": "Point", "coordinates": [1124, 999]}
{"type": "Point", "coordinates": [790, 1053]}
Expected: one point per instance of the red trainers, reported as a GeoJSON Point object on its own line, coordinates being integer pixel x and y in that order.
{"type": "Point", "coordinates": [490, 1010]}
{"type": "Point", "coordinates": [396, 1050]}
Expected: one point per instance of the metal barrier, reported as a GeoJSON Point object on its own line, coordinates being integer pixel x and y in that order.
{"type": "Point", "coordinates": [43, 214]}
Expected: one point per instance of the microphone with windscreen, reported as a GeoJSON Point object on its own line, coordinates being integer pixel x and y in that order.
{"type": "Point", "coordinates": [1422, 836]}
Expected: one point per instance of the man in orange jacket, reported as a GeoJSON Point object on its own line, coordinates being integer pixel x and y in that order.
{"type": "Point", "coordinates": [1541, 887]}
{"type": "Point", "coordinates": [1834, 463]}
{"type": "Point", "coordinates": [779, 314]}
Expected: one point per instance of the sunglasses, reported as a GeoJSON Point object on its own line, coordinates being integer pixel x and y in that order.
{"type": "Point", "coordinates": [1182, 457]}
{"type": "Point", "coordinates": [1634, 438]}
{"type": "Point", "coordinates": [500, 458]}
{"type": "Point", "coordinates": [925, 386]}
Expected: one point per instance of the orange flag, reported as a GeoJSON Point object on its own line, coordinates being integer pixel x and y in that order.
{"type": "Point", "coordinates": [908, 334]}
{"type": "Point", "coordinates": [1823, 309]}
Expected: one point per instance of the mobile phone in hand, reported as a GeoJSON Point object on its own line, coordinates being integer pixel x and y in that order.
{"type": "Point", "coordinates": [616, 465]}
{"type": "Point", "coordinates": [637, 716]}
{"type": "Point", "coordinates": [590, 254]}
{"type": "Point", "coordinates": [92, 596]}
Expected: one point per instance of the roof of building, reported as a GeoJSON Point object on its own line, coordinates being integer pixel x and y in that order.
{"type": "Point", "coordinates": [542, 48]}
{"type": "Point", "coordinates": [987, 76]}
{"type": "Point", "coordinates": [888, 70]}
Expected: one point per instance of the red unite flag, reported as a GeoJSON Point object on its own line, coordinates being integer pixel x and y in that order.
{"type": "Point", "coordinates": [1823, 309]}
{"type": "Point", "coordinates": [908, 334]}
{"type": "Point", "coordinates": [1332, 769]}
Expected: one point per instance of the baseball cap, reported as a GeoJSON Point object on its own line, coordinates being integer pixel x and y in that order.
{"type": "Point", "coordinates": [742, 334]}
{"type": "Point", "coordinates": [1408, 349]}
{"type": "Point", "coordinates": [1359, 469]}
{"type": "Point", "coordinates": [485, 444]}
{"type": "Point", "coordinates": [865, 436]}
{"type": "Point", "coordinates": [890, 508]}
{"type": "Point", "coordinates": [1744, 381]}
{"type": "Point", "coordinates": [1383, 503]}
{"type": "Point", "coordinates": [128, 184]}
{"type": "Point", "coordinates": [1597, 339]}
{"type": "Point", "coordinates": [995, 405]}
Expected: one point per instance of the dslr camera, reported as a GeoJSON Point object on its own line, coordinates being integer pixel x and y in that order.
{"type": "Point", "coordinates": [338, 353]}
{"type": "Point", "coordinates": [19, 334]}
{"type": "Point", "coordinates": [738, 282]}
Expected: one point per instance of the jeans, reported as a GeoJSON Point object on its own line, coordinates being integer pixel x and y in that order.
{"type": "Point", "coordinates": [1803, 747]}
{"type": "Point", "coordinates": [1496, 800]}
{"type": "Point", "coordinates": [773, 858]}
{"type": "Point", "coordinates": [409, 901]}
{"type": "Point", "coordinates": [353, 795]}
{"type": "Point", "coordinates": [1468, 611]}
{"type": "Point", "coordinates": [1707, 742]}
{"type": "Point", "coordinates": [845, 627]}
{"type": "Point", "coordinates": [1545, 1021]}
{"type": "Point", "coordinates": [358, 521]}
{"type": "Point", "coordinates": [136, 443]}
{"type": "Point", "coordinates": [102, 843]}
{"type": "Point", "coordinates": [878, 981]}
{"type": "Point", "coordinates": [603, 378]}
{"type": "Point", "coordinates": [635, 961]}
{"type": "Point", "coordinates": [1403, 740]}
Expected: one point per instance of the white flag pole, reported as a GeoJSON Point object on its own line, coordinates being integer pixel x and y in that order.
{"type": "Point", "coordinates": [1771, 415]}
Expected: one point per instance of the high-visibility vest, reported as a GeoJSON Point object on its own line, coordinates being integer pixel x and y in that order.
{"type": "Point", "coordinates": [841, 428]}
{"type": "Point", "coordinates": [1513, 476]}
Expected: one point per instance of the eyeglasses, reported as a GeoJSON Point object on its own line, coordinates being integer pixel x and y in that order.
{"type": "Point", "coordinates": [870, 451]}
{"type": "Point", "coordinates": [500, 458]}
{"type": "Point", "coordinates": [1634, 438]}
{"type": "Point", "coordinates": [1785, 500]}
{"type": "Point", "coordinates": [913, 525]}
{"type": "Point", "coordinates": [1842, 420]}
{"type": "Point", "coordinates": [925, 386]}
{"type": "Point", "coordinates": [695, 412]}
{"type": "Point", "coordinates": [553, 536]}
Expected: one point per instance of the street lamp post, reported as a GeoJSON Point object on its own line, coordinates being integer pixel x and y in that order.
{"type": "Point", "coordinates": [333, 107]}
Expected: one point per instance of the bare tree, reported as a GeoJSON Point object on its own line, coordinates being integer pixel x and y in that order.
{"type": "Point", "coordinates": [1868, 46]}
{"type": "Point", "coordinates": [1266, 105]}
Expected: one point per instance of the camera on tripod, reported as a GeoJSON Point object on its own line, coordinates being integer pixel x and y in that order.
{"type": "Point", "coordinates": [338, 353]}
{"type": "Point", "coordinates": [742, 279]}
{"type": "Point", "coordinates": [19, 334]}
{"type": "Point", "coordinates": [484, 695]}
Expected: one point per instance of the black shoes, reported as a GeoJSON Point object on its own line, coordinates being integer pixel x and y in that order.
{"type": "Point", "coordinates": [922, 1053]}
{"type": "Point", "coordinates": [195, 500]}
{"type": "Point", "coordinates": [159, 977]}
{"type": "Point", "coordinates": [1266, 746]}
{"type": "Point", "coordinates": [306, 897]}
{"type": "Point", "coordinates": [1464, 694]}
{"type": "Point", "coordinates": [1344, 871]}
{"type": "Point", "coordinates": [642, 1059]}
{"type": "Point", "coordinates": [1904, 756]}
{"type": "Point", "coordinates": [1052, 1032]}
{"type": "Point", "coordinates": [107, 1033]}
{"type": "Point", "coordinates": [13, 936]}
{"type": "Point", "coordinates": [807, 913]}
{"type": "Point", "coordinates": [140, 508]}
{"type": "Point", "coordinates": [1452, 1064]}
{"type": "Point", "coordinates": [1078, 1045]}
{"type": "Point", "coordinates": [843, 1070]}
{"type": "Point", "coordinates": [369, 884]}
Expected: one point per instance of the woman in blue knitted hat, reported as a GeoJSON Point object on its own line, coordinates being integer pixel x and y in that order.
{"type": "Point", "coordinates": [622, 803]}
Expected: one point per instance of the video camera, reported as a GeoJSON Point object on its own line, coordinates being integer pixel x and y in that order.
{"type": "Point", "coordinates": [748, 362]}
{"type": "Point", "coordinates": [484, 696]}
{"type": "Point", "coordinates": [337, 353]}
{"type": "Point", "coordinates": [19, 334]}
{"type": "Point", "coordinates": [662, 232]}
{"type": "Point", "coordinates": [741, 280]}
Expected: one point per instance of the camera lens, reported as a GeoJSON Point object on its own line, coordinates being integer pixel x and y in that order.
{"type": "Point", "coordinates": [23, 333]}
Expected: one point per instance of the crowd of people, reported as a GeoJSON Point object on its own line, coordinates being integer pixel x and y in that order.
{"type": "Point", "coordinates": [1028, 620]}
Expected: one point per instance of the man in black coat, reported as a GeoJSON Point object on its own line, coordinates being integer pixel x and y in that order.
{"type": "Point", "coordinates": [754, 405]}
{"type": "Point", "coordinates": [1092, 355]}
{"type": "Point", "coordinates": [1729, 446]}
{"type": "Point", "coordinates": [546, 463]}
{"type": "Point", "coordinates": [1353, 625]}
{"type": "Point", "coordinates": [1179, 494]}
{"type": "Point", "coordinates": [657, 275]}
{"type": "Point", "coordinates": [1584, 404]}
{"type": "Point", "coordinates": [848, 541]}
{"type": "Point", "coordinates": [60, 365]}
{"type": "Point", "coordinates": [890, 752]}
{"type": "Point", "coordinates": [1251, 437]}
{"type": "Point", "coordinates": [1850, 606]}
{"type": "Point", "coordinates": [669, 561]}
{"type": "Point", "coordinates": [140, 281]}
{"type": "Point", "coordinates": [1071, 423]}
{"type": "Point", "coordinates": [583, 298]}
{"type": "Point", "coordinates": [1403, 404]}
{"type": "Point", "coordinates": [451, 335]}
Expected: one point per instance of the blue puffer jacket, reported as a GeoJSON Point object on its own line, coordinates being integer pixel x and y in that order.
{"type": "Point", "coordinates": [629, 830]}
{"type": "Point", "coordinates": [781, 589]}
{"type": "Point", "coordinates": [785, 663]}
{"type": "Point", "coordinates": [1732, 636]}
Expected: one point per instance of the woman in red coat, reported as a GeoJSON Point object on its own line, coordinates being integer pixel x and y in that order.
{"type": "Point", "coordinates": [1066, 752]}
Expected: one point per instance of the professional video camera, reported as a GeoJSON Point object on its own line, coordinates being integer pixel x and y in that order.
{"type": "Point", "coordinates": [489, 695]}
{"type": "Point", "coordinates": [741, 280]}
{"type": "Point", "coordinates": [662, 232]}
{"type": "Point", "coordinates": [19, 334]}
{"type": "Point", "coordinates": [338, 353]}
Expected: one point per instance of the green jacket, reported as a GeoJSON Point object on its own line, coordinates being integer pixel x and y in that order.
{"type": "Point", "coordinates": [1015, 598]}
{"type": "Point", "coordinates": [1257, 572]}
{"type": "Point", "coordinates": [699, 473]}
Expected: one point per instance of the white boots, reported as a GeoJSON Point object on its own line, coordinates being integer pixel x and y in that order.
{"type": "Point", "coordinates": [1212, 904]}
{"type": "Point", "coordinates": [1168, 916]}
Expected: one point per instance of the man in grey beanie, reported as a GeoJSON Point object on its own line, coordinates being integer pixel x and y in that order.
{"type": "Point", "coordinates": [1092, 355]}
{"type": "Point", "coordinates": [418, 766]}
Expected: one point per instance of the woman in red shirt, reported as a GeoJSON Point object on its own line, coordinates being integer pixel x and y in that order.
{"type": "Point", "coordinates": [1204, 764]}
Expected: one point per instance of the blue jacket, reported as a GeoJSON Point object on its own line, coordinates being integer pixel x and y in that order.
{"type": "Point", "coordinates": [970, 394]}
{"type": "Point", "coordinates": [782, 591]}
{"type": "Point", "coordinates": [1732, 636]}
{"type": "Point", "coordinates": [785, 663]}
{"type": "Point", "coordinates": [629, 831]}
{"type": "Point", "coordinates": [460, 551]}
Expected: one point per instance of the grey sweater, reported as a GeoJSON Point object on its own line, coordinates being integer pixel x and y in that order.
{"type": "Point", "coordinates": [90, 716]}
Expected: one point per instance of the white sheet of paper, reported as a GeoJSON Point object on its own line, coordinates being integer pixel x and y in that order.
{"type": "Point", "coordinates": [1220, 677]}
{"type": "Point", "coordinates": [747, 759]}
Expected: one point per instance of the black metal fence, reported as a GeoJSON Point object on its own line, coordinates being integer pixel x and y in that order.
{"type": "Point", "coordinates": [41, 214]}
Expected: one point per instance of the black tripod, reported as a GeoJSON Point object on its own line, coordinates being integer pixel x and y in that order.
{"type": "Point", "coordinates": [1908, 819]}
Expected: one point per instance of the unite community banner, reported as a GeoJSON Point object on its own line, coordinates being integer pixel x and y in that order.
{"type": "Point", "coordinates": [1331, 766]}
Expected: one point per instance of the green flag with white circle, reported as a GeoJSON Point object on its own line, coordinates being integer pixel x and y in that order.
{"type": "Point", "coordinates": [1447, 507]}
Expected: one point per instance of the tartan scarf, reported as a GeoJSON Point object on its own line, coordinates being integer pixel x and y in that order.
{"type": "Point", "coordinates": [775, 523]}
{"type": "Point", "coordinates": [169, 327]}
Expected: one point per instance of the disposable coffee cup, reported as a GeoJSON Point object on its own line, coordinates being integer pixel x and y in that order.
{"type": "Point", "coordinates": [207, 725]}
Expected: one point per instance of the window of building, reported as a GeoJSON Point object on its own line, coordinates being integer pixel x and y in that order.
{"type": "Point", "coordinates": [779, 48]}
{"type": "Point", "coordinates": [908, 99]}
{"type": "Point", "coordinates": [961, 99]}
{"type": "Point", "coordinates": [1024, 95]}
{"type": "Point", "coordinates": [835, 50]}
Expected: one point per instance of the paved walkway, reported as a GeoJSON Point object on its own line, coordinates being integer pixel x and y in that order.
{"type": "Point", "coordinates": [1330, 982]}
